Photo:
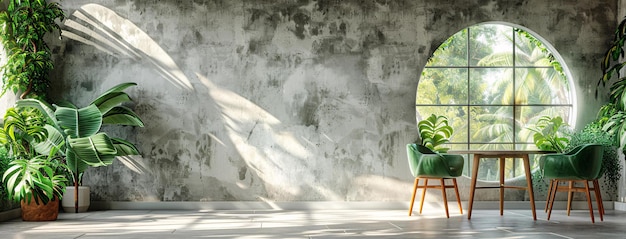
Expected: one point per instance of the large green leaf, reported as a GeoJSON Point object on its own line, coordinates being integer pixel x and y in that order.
{"type": "Point", "coordinates": [81, 122]}
{"type": "Point", "coordinates": [76, 165]}
{"type": "Point", "coordinates": [124, 148]}
{"type": "Point", "coordinates": [96, 150]}
{"type": "Point", "coordinates": [113, 97]}
{"type": "Point", "coordinates": [123, 116]}
{"type": "Point", "coordinates": [54, 141]}
{"type": "Point", "coordinates": [434, 132]}
{"type": "Point", "coordinates": [43, 107]}
{"type": "Point", "coordinates": [111, 100]}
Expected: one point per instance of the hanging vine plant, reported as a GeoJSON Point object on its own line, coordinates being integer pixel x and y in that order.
{"type": "Point", "coordinates": [29, 59]}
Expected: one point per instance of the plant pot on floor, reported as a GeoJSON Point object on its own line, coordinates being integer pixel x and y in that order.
{"type": "Point", "coordinates": [83, 199]}
{"type": "Point", "coordinates": [40, 212]}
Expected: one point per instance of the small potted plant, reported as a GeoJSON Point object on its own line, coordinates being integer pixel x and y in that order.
{"type": "Point", "coordinates": [37, 184]}
{"type": "Point", "coordinates": [35, 180]}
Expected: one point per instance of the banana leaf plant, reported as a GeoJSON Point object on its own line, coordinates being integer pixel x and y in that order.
{"type": "Point", "coordinates": [76, 132]}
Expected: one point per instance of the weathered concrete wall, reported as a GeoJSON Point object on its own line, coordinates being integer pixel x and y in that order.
{"type": "Point", "coordinates": [286, 100]}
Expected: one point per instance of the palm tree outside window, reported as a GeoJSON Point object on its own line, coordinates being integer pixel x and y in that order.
{"type": "Point", "coordinates": [492, 81]}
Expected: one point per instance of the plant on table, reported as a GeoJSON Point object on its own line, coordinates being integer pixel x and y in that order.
{"type": "Point", "coordinates": [434, 132]}
{"type": "Point", "coordinates": [75, 133]}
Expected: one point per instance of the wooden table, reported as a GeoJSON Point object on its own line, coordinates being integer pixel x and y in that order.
{"type": "Point", "coordinates": [502, 155]}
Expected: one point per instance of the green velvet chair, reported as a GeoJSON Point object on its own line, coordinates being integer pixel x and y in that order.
{"type": "Point", "coordinates": [582, 164]}
{"type": "Point", "coordinates": [426, 164]}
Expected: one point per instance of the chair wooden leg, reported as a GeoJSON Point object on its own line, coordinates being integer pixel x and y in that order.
{"type": "Point", "coordinates": [570, 194]}
{"type": "Point", "coordinates": [549, 194]}
{"type": "Point", "coordinates": [589, 201]}
{"type": "Point", "coordinates": [423, 194]}
{"type": "Point", "coordinates": [596, 188]}
{"type": "Point", "coordinates": [417, 181]}
{"type": "Point", "coordinates": [445, 199]}
{"type": "Point", "coordinates": [553, 196]}
{"type": "Point", "coordinates": [458, 198]}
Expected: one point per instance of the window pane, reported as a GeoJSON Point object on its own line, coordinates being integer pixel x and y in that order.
{"type": "Point", "coordinates": [491, 45]}
{"type": "Point", "coordinates": [453, 52]}
{"type": "Point", "coordinates": [529, 51]}
{"type": "Point", "coordinates": [442, 86]}
{"type": "Point", "coordinates": [489, 86]}
{"type": "Point", "coordinates": [491, 124]}
{"type": "Point", "coordinates": [457, 118]}
{"type": "Point", "coordinates": [527, 116]}
{"type": "Point", "coordinates": [540, 86]}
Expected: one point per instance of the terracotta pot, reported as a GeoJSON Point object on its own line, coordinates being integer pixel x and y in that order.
{"type": "Point", "coordinates": [40, 212]}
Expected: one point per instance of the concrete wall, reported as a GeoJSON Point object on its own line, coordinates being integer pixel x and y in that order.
{"type": "Point", "coordinates": [286, 100]}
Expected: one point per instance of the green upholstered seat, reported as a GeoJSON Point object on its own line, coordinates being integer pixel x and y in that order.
{"type": "Point", "coordinates": [583, 164]}
{"type": "Point", "coordinates": [425, 162]}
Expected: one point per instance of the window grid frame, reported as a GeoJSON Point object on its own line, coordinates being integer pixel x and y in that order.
{"type": "Point", "coordinates": [514, 105]}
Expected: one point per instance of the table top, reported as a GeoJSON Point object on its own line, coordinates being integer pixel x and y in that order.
{"type": "Point", "coordinates": [500, 152]}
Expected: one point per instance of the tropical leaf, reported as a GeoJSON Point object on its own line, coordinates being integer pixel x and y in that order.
{"type": "Point", "coordinates": [96, 150]}
{"type": "Point", "coordinates": [79, 122]}
{"type": "Point", "coordinates": [113, 97]}
{"type": "Point", "coordinates": [435, 131]}
{"type": "Point", "coordinates": [122, 116]}
{"type": "Point", "coordinates": [55, 142]}
{"type": "Point", "coordinates": [124, 147]}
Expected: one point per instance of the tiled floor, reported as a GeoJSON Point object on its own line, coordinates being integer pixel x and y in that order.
{"type": "Point", "coordinates": [155, 224]}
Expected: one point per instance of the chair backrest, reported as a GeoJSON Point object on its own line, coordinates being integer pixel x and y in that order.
{"type": "Point", "coordinates": [588, 161]}
{"type": "Point", "coordinates": [583, 162]}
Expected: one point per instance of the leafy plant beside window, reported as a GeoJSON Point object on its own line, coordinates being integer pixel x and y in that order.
{"type": "Point", "coordinates": [434, 132]}
{"type": "Point", "coordinates": [22, 29]}
{"type": "Point", "coordinates": [551, 133]}
{"type": "Point", "coordinates": [612, 116]}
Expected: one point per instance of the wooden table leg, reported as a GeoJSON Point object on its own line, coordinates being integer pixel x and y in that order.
{"type": "Point", "coordinates": [502, 165]}
{"type": "Point", "coordinates": [529, 182]}
{"type": "Point", "coordinates": [473, 184]}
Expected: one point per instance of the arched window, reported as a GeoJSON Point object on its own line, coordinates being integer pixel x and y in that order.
{"type": "Point", "coordinates": [493, 81]}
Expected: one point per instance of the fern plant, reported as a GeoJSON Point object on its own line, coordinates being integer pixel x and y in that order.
{"type": "Point", "coordinates": [434, 132]}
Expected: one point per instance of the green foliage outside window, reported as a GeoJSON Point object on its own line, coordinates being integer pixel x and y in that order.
{"type": "Point", "coordinates": [492, 82]}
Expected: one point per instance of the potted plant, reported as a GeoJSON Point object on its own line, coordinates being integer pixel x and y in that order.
{"type": "Point", "coordinates": [74, 133]}
{"type": "Point", "coordinates": [434, 132]}
{"type": "Point", "coordinates": [35, 180]}
{"type": "Point", "coordinates": [37, 185]}
{"type": "Point", "coordinates": [22, 29]}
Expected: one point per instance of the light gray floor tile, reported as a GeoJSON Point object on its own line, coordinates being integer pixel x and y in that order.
{"type": "Point", "coordinates": [156, 224]}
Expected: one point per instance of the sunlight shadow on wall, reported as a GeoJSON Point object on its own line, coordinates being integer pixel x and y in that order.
{"type": "Point", "coordinates": [105, 30]}
{"type": "Point", "coordinates": [277, 156]}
